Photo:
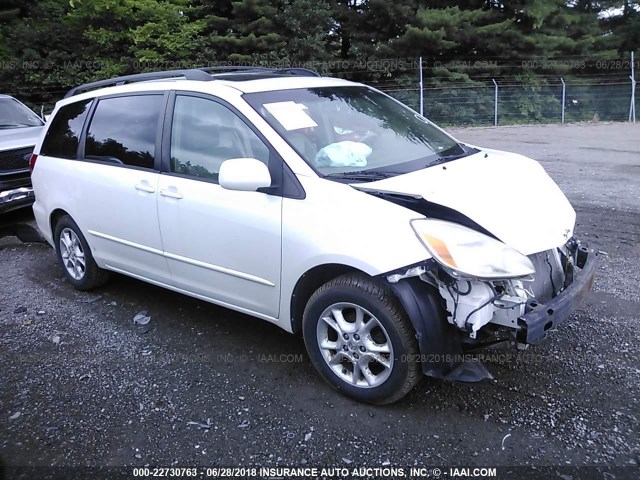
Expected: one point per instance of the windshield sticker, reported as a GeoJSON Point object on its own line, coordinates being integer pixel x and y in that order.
{"type": "Point", "coordinates": [291, 115]}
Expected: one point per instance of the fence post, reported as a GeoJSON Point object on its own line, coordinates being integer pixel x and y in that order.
{"type": "Point", "coordinates": [421, 89]}
{"type": "Point", "coordinates": [564, 88]}
{"type": "Point", "coordinates": [632, 106]}
{"type": "Point", "coordinates": [495, 110]}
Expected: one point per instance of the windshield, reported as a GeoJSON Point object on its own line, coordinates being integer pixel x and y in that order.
{"type": "Point", "coordinates": [13, 114]}
{"type": "Point", "coordinates": [355, 131]}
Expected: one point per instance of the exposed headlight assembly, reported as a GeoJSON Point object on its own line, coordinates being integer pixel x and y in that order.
{"type": "Point", "coordinates": [467, 253]}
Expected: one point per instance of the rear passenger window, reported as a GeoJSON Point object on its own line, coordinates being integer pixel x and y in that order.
{"type": "Point", "coordinates": [205, 134]}
{"type": "Point", "coordinates": [123, 130]}
{"type": "Point", "coordinates": [63, 136]}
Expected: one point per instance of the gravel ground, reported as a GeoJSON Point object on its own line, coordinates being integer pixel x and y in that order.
{"type": "Point", "coordinates": [81, 384]}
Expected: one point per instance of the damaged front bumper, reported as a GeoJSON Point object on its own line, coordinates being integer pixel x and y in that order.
{"type": "Point", "coordinates": [526, 308]}
{"type": "Point", "coordinates": [482, 314]}
{"type": "Point", "coordinates": [540, 318]}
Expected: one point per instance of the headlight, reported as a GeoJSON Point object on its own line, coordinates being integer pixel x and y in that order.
{"type": "Point", "coordinates": [466, 252]}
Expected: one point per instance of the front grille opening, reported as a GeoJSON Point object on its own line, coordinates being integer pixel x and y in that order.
{"type": "Point", "coordinates": [12, 160]}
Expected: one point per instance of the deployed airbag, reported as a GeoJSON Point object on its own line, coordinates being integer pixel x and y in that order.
{"type": "Point", "coordinates": [343, 154]}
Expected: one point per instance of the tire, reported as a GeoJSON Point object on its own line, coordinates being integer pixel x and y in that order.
{"type": "Point", "coordinates": [75, 256]}
{"type": "Point", "coordinates": [377, 361]}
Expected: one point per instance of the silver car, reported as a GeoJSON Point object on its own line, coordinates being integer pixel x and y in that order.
{"type": "Point", "coordinates": [20, 128]}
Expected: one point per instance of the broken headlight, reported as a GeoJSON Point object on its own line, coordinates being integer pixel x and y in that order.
{"type": "Point", "coordinates": [467, 253]}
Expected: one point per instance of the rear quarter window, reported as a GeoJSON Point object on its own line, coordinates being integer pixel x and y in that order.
{"type": "Point", "coordinates": [123, 130]}
{"type": "Point", "coordinates": [63, 137]}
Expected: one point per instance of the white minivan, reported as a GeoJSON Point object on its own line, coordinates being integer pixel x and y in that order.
{"type": "Point", "coordinates": [323, 206]}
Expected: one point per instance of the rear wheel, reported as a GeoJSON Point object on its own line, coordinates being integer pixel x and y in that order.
{"type": "Point", "coordinates": [75, 256]}
{"type": "Point", "coordinates": [360, 340]}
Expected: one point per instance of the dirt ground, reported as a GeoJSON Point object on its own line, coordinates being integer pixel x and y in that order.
{"type": "Point", "coordinates": [93, 388]}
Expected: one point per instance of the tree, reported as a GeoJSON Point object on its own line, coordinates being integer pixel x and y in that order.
{"type": "Point", "coordinates": [47, 46]}
{"type": "Point", "coordinates": [255, 33]}
{"type": "Point", "coordinates": [306, 25]}
{"type": "Point", "coordinates": [214, 42]}
{"type": "Point", "coordinates": [621, 22]}
{"type": "Point", "coordinates": [39, 53]}
{"type": "Point", "coordinates": [242, 31]}
{"type": "Point", "coordinates": [130, 35]}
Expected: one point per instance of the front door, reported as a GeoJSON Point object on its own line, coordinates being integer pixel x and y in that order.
{"type": "Point", "coordinates": [221, 244]}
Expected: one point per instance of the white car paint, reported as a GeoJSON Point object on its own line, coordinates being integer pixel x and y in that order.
{"type": "Point", "coordinates": [248, 250]}
{"type": "Point", "coordinates": [223, 244]}
{"type": "Point", "coordinates": [117, 208]}
{"type": "Point", "coordinates": [510, 195]}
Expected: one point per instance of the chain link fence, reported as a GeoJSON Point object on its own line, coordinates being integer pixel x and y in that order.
{"type": "Point", "coordinates": [462, 92]}
{"type": "Point", "coordinates": [457, 105]}
{"type": "Point", "coordinates": [456, 93]}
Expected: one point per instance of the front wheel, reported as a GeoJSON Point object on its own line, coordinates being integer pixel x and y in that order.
{"type": "Point", "coordinates": [360, 340]}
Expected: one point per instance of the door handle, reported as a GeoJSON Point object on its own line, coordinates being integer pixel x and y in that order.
{"type": "Point", "coordinates": [145, 187]}
{"type": "Point", "coordinates": [171, 194]}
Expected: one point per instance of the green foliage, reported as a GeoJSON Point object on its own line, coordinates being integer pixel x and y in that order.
{"type": "Point", "coordinates": [38, 57]}
{"type": "Point", "coordinates": [254, 33]}
{"type": "Point", "coordinates": [122, 34]}
{"type": "Point", "coordinates": [306, 25]}
{"type": "Point", "coordinates": [47, 46]}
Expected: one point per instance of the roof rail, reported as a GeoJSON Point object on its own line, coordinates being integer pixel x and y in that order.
{"type": "Point", "coordinates": [231, 68]}
{"type": "Point", "coordinates": [192, 74]}
{"type": "Point", "coordinates": [204, 74]}
{"type": "Point", "coordinates": [299, 72]}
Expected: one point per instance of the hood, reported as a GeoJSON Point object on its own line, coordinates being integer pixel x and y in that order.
{"type": "Point", "coordinates": [13, 138]}
{"type": "Point", "coordinates": [509, 195]}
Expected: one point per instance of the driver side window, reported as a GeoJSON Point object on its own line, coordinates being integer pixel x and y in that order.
{"type": "Point", "coordinates": [206, 133]}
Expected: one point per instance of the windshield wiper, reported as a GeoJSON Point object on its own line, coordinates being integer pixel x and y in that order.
{"type": "Point", "coordinates": [363, 175]}
{"type": "Point", "coordinates": [466, 151]}
{"type": "Point", "coordinates": [447, 158]}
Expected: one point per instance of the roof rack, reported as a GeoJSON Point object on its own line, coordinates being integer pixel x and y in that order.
{"type": "Point", "coordinates": [204, 74]}
{"type": "Point", "coordinates": [298, 72]}
{"type": "Point", "coordinates": [193, 74]}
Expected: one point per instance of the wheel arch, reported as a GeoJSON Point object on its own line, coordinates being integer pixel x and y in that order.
{"type": "Point", "coordinates": [55, 217]}
{"type": "Point", "coordinates": [309, 282]}
{"type": "Point", "coordinates": [439, 341]}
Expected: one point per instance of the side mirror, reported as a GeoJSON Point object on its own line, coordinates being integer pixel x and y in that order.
{"type": "Point", "coordinates": [245, 174]}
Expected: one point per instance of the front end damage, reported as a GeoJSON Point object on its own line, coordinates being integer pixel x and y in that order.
{"type": "Point", "coordinates": [484, 313]}
{"type": "Point", "coordinates": [495, 277]}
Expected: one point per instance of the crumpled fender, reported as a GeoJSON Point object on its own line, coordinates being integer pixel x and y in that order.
{"type": "Point", "coordinates": [441, 352]}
